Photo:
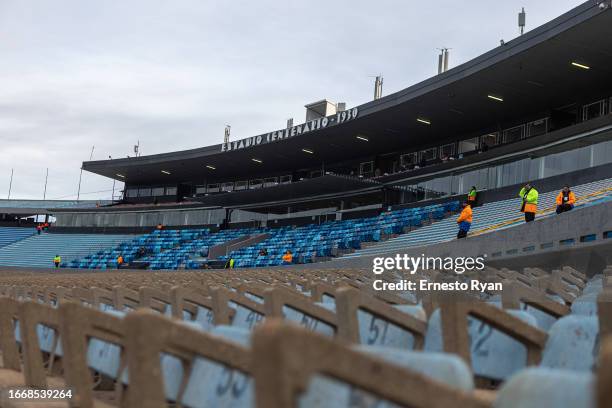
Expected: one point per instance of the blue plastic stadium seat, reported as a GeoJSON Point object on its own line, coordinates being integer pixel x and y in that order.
{"type": "Point", "coordinates": [546, 388]}
{"type": "Point", "coordinates": [572, 343]}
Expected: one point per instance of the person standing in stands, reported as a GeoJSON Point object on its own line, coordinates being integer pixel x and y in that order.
{"type": "Point", "coordinates": [288, 258]}
{"type": "Point", "coordinates": [464, 220]}
{"type": "Point", "coordinates": [38, 229]}
{"type": "Point", "coordinates": [119, 261]}
{"type": "Point", "coordinates": [57, 260]}
{"type": "Point", "coordinates": [529, 206]}
{"type": "Point", "coordinates": [565, 200]}
{"type": "Point", "coordinates": [229, 264]}
{"type": "Point", "coordinates": [472, 195]}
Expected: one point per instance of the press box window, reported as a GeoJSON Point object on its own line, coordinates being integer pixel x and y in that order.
{"type": "Point", "coordinates": [144, 192]}
{"type": "Point", "coordinates": [270, 181]}
{"type": "Point", "coordinates": [229, 186]}
{"type": "Point", "coordinates": [158, 191]}
{"type": "Point", "coordinates": [408, 160]}
{"type": "Point", "coordinates": [447, 150]}
{"type": "Point", "coordinates": [285, 179]}
{"type": "Point", "coordinates": [537, 127]}
{"type": "Point", "coordinates": [200, 190]}
{"type": "Point", "coordinates": [316, 173]}
{"type": "Point", "coordinates": [171, 191]}
{"type": "Point", "coordinates": [594, 110]}
{"type": "Point", "coordinates": [429, 154]}
{"type": "Point", "coordinates": [468, 145]}
{"type": "Point", "coordinates": [241, 185]}
{"type": "Point", "coordinates": [213, 188]}
{"type": "Point", "coordinates": [257, 183]}
{"type": "Point", "coordinates": [366, 169]}
{"type": "Point", "coordinates": [489, 140]}
{"type": "Point", "coordinates": [514, 134]}
{"type": "Point", "coordinates": [132, 193]}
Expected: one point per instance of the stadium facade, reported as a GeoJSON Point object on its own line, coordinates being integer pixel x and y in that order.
{"type": "Point", "coordinates": [533, 108]}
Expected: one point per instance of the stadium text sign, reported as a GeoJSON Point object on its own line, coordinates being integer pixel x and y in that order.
{"type": "Point", "coordinates": [321, 123]}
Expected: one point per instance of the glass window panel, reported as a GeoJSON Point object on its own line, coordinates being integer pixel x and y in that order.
{"type": "Point", "coordinates": [242, 185]}
{"type": "Point", "coordinates": [170, 191]}
{"type": "Point", "coordinates": [447, 150]}
{"type": "Point", "coordinates": [200, 189]}
{"type": "Point", "coordinates": [158, 191]}
{"type": "Point", "coordinates": [537, 127]}
{"type": "Point", "coordinates": [366, 168]}
{"type": "Point", "coordinates": [489, 140]}
{"type": "Point", "coordinates": [144, 192]}
{"type": "Point", "coordinates": [593, 110]}
{"type": "Point", "coordinates": [513, 134]}
{"type": "Point", "coordinates": [408, 160]}
{"type": "Point", "coordinates": [285, 179]}
{"type": "Point", "coordinates": [468, 145]}
{"type": "Point", "coordinates": [229, 186]}
{"type": "Point", "coordinates": [428, 154]}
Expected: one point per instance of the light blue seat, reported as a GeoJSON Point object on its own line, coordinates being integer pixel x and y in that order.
{"type": "Point", "coordinates": [326, 392]}
{"type": "Point", "coordinates": [539, 387]}
{"type": "Point", "coordinates": [245, 317]}
{"type": "Point", "coordinates": [572, 343]}
{"type": "Point", "coordinates": [308, 322]}
{"type": "Point", "coordinates": [375, 331]}
{"type": "Point", "coordinates": [586, 304]}
{"type": "Point", "coordinates": [494, 354]}
{"type": "Point", "coordinates": [213, 385]}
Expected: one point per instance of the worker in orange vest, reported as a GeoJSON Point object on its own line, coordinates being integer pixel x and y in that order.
{"type": "Point", "coordinates": [288, 257]}
{"type": "Point", "coordinates": [464, 220]}
{"type": "Point", "coordinates": [119, 261]}
{"type": "Point", "coordinates": [565, 200]}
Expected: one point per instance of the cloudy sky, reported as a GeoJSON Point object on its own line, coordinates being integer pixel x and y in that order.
{"type": "Point", "coordinates": [170, 74]}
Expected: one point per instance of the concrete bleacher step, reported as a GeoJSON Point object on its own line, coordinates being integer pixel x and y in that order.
{"type": "Point", "coordinates": [8, 235]}
{"type": "Point", "coordinates": [39, 250]}
{"type": "Point", "coordinates": [488, 217]}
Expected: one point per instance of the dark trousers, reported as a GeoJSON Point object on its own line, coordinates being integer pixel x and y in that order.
{"type": "Point", "coordinates": [563, 208]}
{"type": "Point", "coordinates": [57, 264]}
{"type": "Point", "coordinates": [529, 216]}
{"type": "Point", "coordinates": [461, 234]}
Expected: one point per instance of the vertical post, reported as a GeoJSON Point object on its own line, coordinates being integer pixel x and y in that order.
{"type": "Point", "coordinates": [46, 179]}
{"type": "Point", "coordinates": [10, 185]}
{"type": "Point", "coordinates": [81, 174]}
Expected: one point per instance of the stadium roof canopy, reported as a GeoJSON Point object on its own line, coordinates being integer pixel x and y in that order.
{"type": "Point", "coordinates": [30, 207]}
{"type": "Point", "coordinates": [527, 74]}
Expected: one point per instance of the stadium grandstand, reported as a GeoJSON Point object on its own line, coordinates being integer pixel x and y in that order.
{"type": "Point", "coordinates": [247, 274]}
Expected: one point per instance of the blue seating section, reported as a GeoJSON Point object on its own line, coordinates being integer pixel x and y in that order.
{"type": "Point", "coordinates": [164, 249]}
{"type": "Point", "coordinates": [327, 239]}
{"type": "Point", "coordinates": [39, 250]}
{"type": "Point", "coordinates": [8, 235]}
{"type": "Point", "coordinates": [490, 216]}
{"type": "Point", "coordinates": [181, 254]}
{"type": "Point", "coordinates": [153, 244]}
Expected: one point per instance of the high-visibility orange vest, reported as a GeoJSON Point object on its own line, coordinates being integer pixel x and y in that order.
{"type": "Point", "coordinates": [466, 215]}
{"type": "Point", "coordinates": [288, 258]}
{"type": "Point", "coordinates": [571, 198]}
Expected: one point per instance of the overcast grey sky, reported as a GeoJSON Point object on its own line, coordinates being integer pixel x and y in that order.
{"type": "Point", "coordinates": [76, 74]}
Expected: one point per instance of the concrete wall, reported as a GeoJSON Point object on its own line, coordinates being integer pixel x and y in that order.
{"type": "Point", "coordinates": [174, 217]}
